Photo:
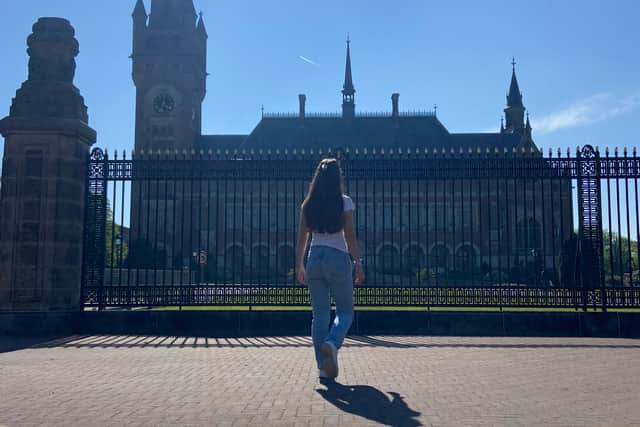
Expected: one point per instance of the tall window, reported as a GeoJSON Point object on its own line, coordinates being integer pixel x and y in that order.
{"type": "Point", "coordinates": [389, 259]}
{"type": "Point", "coordinates": [413, 258]}
{"type": "Point", "coordinates": [528, 235]}
{"type": "Point", "coordinates": [465, 258]}
{"type": "Point", "coordinates": [439, 257]}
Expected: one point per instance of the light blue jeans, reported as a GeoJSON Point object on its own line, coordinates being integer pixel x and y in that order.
{"type": "Point", "coordinates": [329, 272]}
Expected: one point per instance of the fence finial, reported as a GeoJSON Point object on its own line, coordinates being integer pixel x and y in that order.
{"type": "Point", "coordinates": [615, 151]}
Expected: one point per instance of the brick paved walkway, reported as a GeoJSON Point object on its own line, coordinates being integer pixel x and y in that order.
{"type": "Point", "coordinates": [410, 381]}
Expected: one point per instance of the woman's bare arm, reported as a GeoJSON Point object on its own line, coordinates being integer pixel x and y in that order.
{"type": "Point", "coordinates": [352, 244]}
{"type": "Point", "coordinates": [301, 248]}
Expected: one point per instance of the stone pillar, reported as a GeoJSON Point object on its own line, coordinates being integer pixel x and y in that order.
{"type": "Point", "coordinates": [47, 141]}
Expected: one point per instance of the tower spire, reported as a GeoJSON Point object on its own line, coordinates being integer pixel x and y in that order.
{"type": "Point", "coordinates": [139, 10]}
{"type": "Point", "coordinates": [201, 27]}
{"type": "Point", "coordinates": [514, 97]}
{"type": "Point", "coordinates": [348, 90]}
{"type": "Point", "coordinates": [514, 111]}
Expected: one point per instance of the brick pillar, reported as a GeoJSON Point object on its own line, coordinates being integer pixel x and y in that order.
{"type": "Point", "coordinates": [47, 140]}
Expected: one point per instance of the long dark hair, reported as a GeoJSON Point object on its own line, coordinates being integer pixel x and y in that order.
{"type": "Point", "coordinates": [323, 206]}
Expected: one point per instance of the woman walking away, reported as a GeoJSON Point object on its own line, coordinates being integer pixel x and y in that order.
{"type": "Point", "coordinates": [327, 214]}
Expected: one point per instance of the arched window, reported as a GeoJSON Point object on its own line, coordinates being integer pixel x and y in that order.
{"type": "Point", "coordinates": [389, 259]}
{"type": "Point", "coordinates": [465, 258]}
{"type": "Point", "coordinates": [286, 259]}
{"type": "Point", "coordinates": [413, 258]}
{"type": "Point", "coordinates": [439, 257]}
{"type": "Point", "coordinates": [528, 235]}
{"type": "Point", "coordinates": [260, 259]}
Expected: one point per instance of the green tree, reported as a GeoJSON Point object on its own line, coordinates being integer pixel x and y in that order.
{"type": "Point", "coordinates": [616, 249]}
{"type": "Point", "coordinates": [116, 253]}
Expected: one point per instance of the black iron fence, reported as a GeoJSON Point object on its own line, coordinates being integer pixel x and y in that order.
{"type": "Point", "coordinates": [492, 228]}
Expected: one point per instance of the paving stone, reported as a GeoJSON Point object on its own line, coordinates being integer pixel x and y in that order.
{"type": "Point", "coordinates": [386, 380]}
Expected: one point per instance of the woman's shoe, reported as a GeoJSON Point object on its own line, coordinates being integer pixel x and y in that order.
{"type": "Point", "coordinates": [330, 359]}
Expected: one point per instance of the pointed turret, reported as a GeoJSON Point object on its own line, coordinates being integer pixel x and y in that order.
{"type": "Point", "coordinates": [348, 91]}
{"type": "Point", "coordinates": [202, 30]}
{"type": "Point", "coordinates": [514, 97]}
{"type": "Point", "coordinates": [514, 111]}
{"type": "Point", "coordinates": [139, 11]}
{"type": "Point", "coordinates": [139, 16]}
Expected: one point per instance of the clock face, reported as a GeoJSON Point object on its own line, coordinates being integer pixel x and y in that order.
{"type": "Point", "coordinates": [163, 103]}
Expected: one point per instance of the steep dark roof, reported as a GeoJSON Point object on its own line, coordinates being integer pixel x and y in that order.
{"type": "Point", "coordinates": [359, 132]}
{"type": "Point", "coordinates": [375, 131]}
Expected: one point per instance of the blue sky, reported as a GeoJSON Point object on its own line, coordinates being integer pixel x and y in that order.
{"type": "Point", "coordinates": [577, 62]}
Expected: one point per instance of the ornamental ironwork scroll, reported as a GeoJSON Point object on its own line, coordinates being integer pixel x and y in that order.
{"type": "Point", "coordinates": [590, 263]}
{"type": "Point", "coordinates": [95, 228]}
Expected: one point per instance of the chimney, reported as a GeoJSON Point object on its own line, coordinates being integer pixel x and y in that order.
{"type": "Point", "coordinates": [303, 99]}
{"type": "Point", "coordinates": [395, 113]}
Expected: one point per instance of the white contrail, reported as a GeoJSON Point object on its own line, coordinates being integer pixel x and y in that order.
{"type": "Point", "coordinates": [308, 61]}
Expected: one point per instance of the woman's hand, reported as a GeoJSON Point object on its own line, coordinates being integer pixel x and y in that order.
{"type": "Point", "coordinates": [300, 274]}
{"type": "Point", "coordinates": [359, 273]}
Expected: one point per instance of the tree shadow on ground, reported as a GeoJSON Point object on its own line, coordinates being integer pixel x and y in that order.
{"type": "Point", "coordinates": [370, 403]}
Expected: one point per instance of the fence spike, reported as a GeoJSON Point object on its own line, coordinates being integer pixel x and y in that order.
{"type": "Point", "coordinates": [400, 150]}
{"type": "Point", "coordinates": [382, 151]}
{"type": "Point", "coordinates": [606, 151]}
{"type": "Point", "coordinates": [124, 154]}
{"type": "Point", "coordinates": [244, 152]}
{"type": "Point", "coordinates": [294, 152]}
{"type": "Point", "coordinates": [550, 152]}
{"type": "Point", "coordinates": [357, 152]}
{"type": "Point", "coordinates": [634, 151]}
{"type": "Point", "coordinates": [210, 151]}
{"type": "Point", "coordinates": [625, 151]}
{"type": "Point", "coordinates": [260, 151]}
{"type": "Point", "coordinates": [364, 150]}
{"type": "Point", "coordinates": [311, 151]}
{"type": "Point", "coordinates": [615, 151]}
{"type": "Point", "coordinates": [346, 150]}
{"type": "Point", "coordinates": [251, 152]}
{"type": "Point", "coordinates": [302, 151]}
{"type": "Point", "coordinates": [277, 151]}
{"type": "Point", "coordinates": [226, 152]}
{"type": "Point", "coordinates": [268, 151]}
{"type": "Point", "coordinates": [426, 151]}
{"type": "Point", "coordinates": [201, 152]}
{"type": "Point", "coordinates": [320, 151]}
{"type": "Point", "coordinates": [559, 152]}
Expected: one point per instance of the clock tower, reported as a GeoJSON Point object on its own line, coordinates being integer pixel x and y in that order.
{"type": "Point", "coordinates": [169, 72]}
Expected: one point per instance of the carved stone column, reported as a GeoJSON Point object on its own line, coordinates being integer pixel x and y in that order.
{"type": "Point", "coordinates": [47, 140]}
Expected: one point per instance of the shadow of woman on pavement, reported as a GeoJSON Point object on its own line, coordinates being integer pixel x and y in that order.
{"type": "Point", "coordinates": [369, 402]}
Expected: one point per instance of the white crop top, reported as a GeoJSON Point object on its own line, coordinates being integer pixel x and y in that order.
{"type": "Point", "coordinates": [334, 240]}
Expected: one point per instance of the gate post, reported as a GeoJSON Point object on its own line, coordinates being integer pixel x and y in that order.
{"type": "Point", "coordinates": [43, 178]}
{"type": "Point", "coordinates": [590, 223]}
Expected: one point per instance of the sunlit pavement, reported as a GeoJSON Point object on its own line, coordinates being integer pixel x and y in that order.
{"type": "Point", "coordinates": [135, 380]}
